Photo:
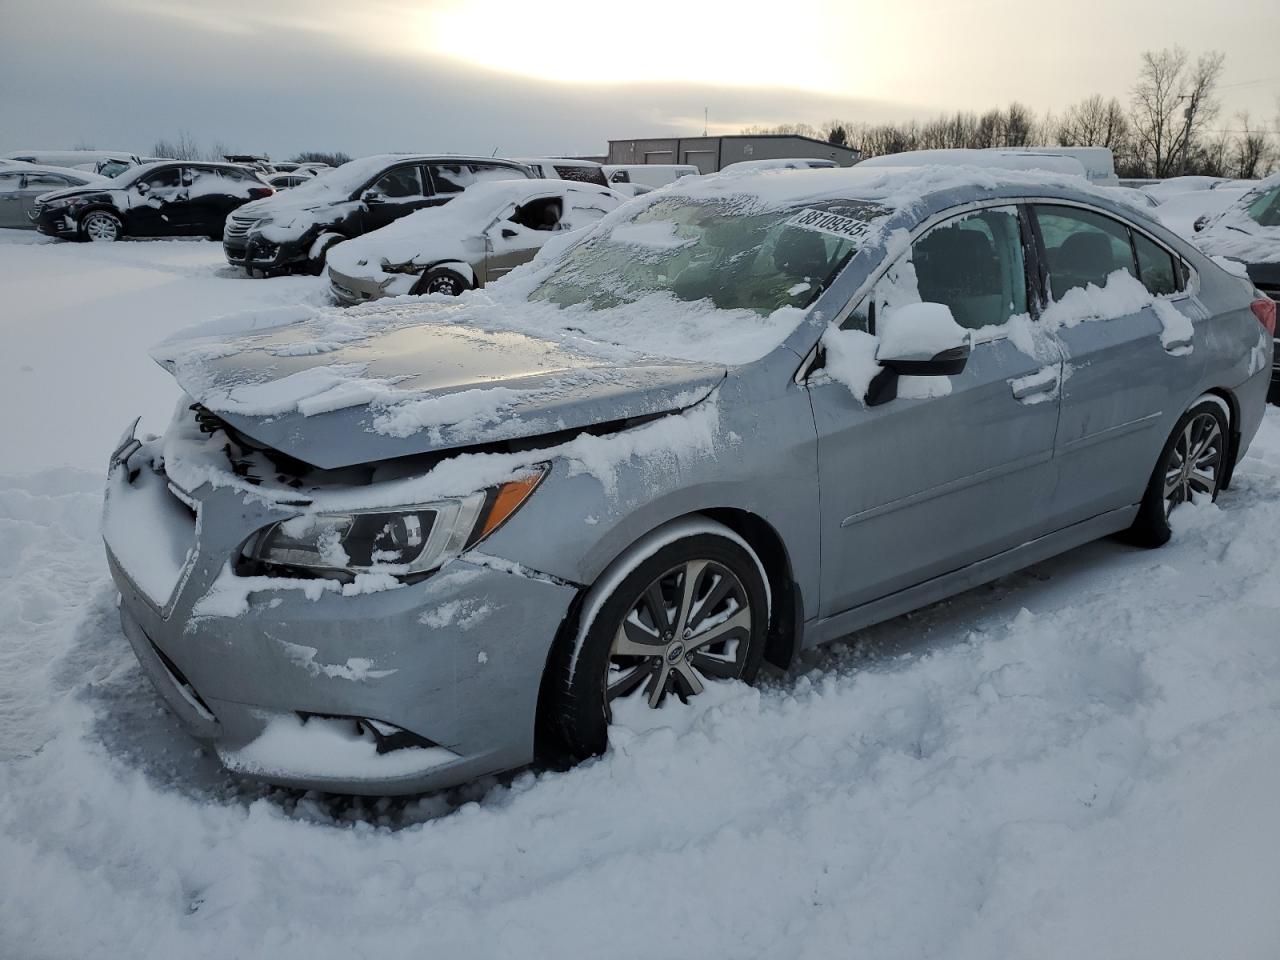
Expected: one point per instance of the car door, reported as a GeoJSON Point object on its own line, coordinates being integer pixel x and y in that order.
{"type": "Point", "coordinates": [395, 194]}
{"type": "Point", "coordinates": [12, 207]}
{"type": "Point", "coordinates": [1125, 380]}
{"type": "Point", "coordinates": [954, 470]}
{"type": "Point", "coordinates": [157, 204]}
{"type": "Point", "coordinates": [209, 199]}
{"type": "Point", "coordinates": [518, 234]}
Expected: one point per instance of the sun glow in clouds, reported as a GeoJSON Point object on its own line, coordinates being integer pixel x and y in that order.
{"type": "Point", "coordinates": [658, 41]}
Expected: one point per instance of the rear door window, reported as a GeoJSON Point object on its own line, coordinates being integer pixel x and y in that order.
{"type": "Point", "coordinates": [1082, 247]}
{"type": "Point", "coordinates": [46, 182]}
{"type": "Point", "coordinates": [1157, 266]}
{"type": "Point", "coordinates": [402, 183]}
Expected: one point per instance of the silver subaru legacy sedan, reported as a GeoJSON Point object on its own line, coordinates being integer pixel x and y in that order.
{"type": "Point", "coordinates": [390, 549]}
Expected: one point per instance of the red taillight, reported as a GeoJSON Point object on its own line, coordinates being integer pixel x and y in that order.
{"type": "Point", "coordinates": [1264, 309]}
{"type": "Point", "coordinates": [257, 193]}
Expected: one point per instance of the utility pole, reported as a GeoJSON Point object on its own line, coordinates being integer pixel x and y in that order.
{"type": "Point", "coordinates": [704, 121]}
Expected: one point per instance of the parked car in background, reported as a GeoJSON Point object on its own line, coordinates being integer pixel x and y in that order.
{"type": "Point", "coordinates": [740, 418]}
{"type": "Point", "coordinates": [1248, 232]}
{"type": "Point", "coordinates": [1170, 186]}
{"type": "Point", "coordinates": [1055, 163]}
{"type": "Point", "coordinates": [21, 183]}
{"type": "Point", "coordinates": [107, 163]}
{"type": "Point", "coordinates": [166, 199]}
{"type": "Point", "coordinates": [482, 235]}
{"type": "Point", "coordinates": [285, 181]}
{"type": "Point", "coordinates": [1099, 162]}
{"type": "Point", "coordinates": [640, 178]}
{"type": "Point", "coordinates": [780, 163]}
{"type": "Point", "coordinates": [1187, 211]}
{"type": "Point", "coordinates": [579, 171]}
{"type": "Point", "coordinates": [294, 230]}
{"type": "Point", "coordinates": [253, 161]}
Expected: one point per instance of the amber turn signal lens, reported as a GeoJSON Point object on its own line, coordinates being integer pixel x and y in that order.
{"type": "Point", "coordinates": [506, 500]}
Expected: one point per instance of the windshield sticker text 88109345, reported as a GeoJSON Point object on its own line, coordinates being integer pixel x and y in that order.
{"type": "Point", "coordinates": [834, 224]}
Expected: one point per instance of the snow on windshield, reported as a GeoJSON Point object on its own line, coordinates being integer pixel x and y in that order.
{"type": "Point", "coordinates": [726, 253]}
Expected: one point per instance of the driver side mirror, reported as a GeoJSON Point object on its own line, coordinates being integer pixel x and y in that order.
{"type": "Point", "coordinates": [508, 233]}
{"type": "Point", "coordinates": [369, 196]}
{"type": "Point", "coordinates": [918, 340]}
{"type": "Point", "coordinates": [143, 187]}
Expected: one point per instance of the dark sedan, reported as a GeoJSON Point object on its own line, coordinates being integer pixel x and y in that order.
{"type": "Point", "coordinates": [293, 230]}
{"type": "Point", "coordinates": [167, 199]}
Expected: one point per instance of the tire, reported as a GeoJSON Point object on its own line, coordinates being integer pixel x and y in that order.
{"type": "Point", "coordinates": [316, 264]}
{"type": "Point", "coordinates": [1203, 428]}
{"type": "Point", "coordinates": [442, 280]}
{"type": "Point", "coordinates": [606, 655]}
{"type": "Point", "coordinates": [101, 226]}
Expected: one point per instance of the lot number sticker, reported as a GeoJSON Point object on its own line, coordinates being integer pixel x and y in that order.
{"type": "Point", "coordinates": [831, 223]}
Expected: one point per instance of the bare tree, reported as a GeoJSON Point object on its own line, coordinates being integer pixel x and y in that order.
{"type": "Point", "coordinates": [1252, 150]}
{"type": "Point", "coordinates": [1016, 126]}
{"type": "Point", "coordinates": [1093, 122]}
{"type": "Point", "coordinates": [1173, 102]}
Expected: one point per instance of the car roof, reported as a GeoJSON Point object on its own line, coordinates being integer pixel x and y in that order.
{"type": "Point", "coordinates": [21, 166]}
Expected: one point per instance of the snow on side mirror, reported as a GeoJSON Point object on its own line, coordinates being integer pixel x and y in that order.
{"type": "Point", "coordinates": [918, 340]}
{"type": "Point", "coordinates": [923, 340]}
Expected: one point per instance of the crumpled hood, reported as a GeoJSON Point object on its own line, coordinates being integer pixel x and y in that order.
{"type": "Point", "coordinates": [88, 190]}
{"type": "Point", "coordinates": [418, 388]}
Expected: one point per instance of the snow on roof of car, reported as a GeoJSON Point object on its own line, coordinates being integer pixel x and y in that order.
{"type": "Point", "coordinates": [20, 166]}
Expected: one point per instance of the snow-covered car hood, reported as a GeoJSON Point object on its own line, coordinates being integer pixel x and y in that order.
{"type": "Point", "coordinates": [412, 389]}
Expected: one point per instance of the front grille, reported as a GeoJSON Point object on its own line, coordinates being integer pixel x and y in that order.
{"type": "Point", "coordinates": [237, 228]}
{"type": "Point", "coordinates": [245, 456]}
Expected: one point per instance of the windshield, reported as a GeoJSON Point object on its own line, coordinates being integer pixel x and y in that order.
{"type": "Point", "coordinates": [1264, 210]}
{"type": "Point", "coordinates": [723, 251]}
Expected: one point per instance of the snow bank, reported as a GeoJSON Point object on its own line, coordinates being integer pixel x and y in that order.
{"type": "Point", "coordinates": [1077, 762]}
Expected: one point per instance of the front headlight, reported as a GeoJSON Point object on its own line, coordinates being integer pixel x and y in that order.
{"type": "Point", "coordinates": [408, 267]}
{"type": "Point", "coordinates": [402, 542]}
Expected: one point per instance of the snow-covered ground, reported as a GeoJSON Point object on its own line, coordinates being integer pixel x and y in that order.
{"type": "Point", "coordinates": [1082, 760]}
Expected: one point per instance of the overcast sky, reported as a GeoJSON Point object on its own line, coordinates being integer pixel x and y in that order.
{"type": "Point", "coordinates": [531, 77]}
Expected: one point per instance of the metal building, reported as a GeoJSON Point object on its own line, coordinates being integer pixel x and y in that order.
{"type": "Point", "coordinates": [711, 154]}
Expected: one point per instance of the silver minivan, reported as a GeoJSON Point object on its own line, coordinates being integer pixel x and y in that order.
{"type": "Point", "coordinates": [390, 549]}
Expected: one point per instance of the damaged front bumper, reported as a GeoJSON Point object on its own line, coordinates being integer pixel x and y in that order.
{"type": "Point", "coordinates": [299, 683]}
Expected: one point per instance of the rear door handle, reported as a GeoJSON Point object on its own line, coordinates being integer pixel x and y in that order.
{"type": "Point", "coordinates": [1038, 386]}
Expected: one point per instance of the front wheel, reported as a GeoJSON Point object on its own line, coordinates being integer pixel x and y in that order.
{"type": "Point", "coordinates": [694, 612]}
{"type": "Point", "coordinates": [100, 226]}
{"type": "Point", "coordinates": [1191, 466]}
{"type": "Point", "coordinates": [444, 281]}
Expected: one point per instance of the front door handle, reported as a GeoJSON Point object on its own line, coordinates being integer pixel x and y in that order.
{"type": "Point", "coordinates": [1036, 387]}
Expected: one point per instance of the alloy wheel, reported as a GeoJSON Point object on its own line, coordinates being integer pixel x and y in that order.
{"type": "Point", "coordinates": [1194, 462]}
{"type": "Point", "coordinates": [690, 625]}
{"type": "Point", "coordinates": [446, 285]}
{"type": "Point", "coordinates": [101, 226]}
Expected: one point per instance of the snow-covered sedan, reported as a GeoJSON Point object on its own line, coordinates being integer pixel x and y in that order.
{"type": "Point", "coordinates": [22, 184]}
{"type": "Point", "coordinates": [165, 199]}
{"type": "Point", "coordinates": [1248, 232]}
{"type": "Point", "coordinates": [391, 549]}
{"type": "Point", "coordinates": [480, 236]}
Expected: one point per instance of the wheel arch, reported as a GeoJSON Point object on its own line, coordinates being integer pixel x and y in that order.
{"type": "Point", "coordinates": [786, 619]}
{"type": "Point", "coordinates": [1233, 429]}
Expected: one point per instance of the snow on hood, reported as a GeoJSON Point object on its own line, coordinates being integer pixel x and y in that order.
{"type": "Point", "coordinates": [336, 389]}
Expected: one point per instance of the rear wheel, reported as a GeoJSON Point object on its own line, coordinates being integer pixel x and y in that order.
{"type": "Point", "coordinates": [101, 226]}
{"type": "Point", "coordinates": [694, 612]}
{"type": "Point", "coordinates": [1191, 466]}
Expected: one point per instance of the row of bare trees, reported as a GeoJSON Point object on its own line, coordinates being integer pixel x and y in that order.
{"type": "Point", "coordinates": [1166, 129]}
